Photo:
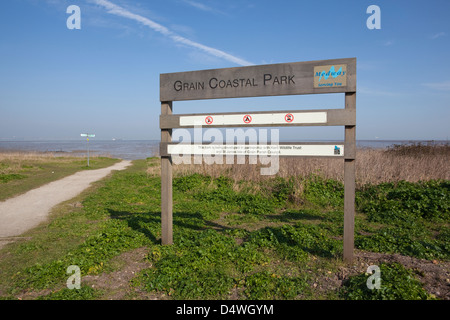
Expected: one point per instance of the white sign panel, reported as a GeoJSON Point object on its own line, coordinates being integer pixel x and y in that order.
{"type": "Point", "coordinates": [255, 119]}
{"type": "Point", "coordinates": [256, 149]}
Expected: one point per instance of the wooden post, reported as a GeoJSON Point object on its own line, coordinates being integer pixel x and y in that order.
{"type": "Point", "coordinates": [349, 181]}
{"type": "Point", "coordinates": [166, 182]}
{"type": "Point", "coordinates": [300, 78]}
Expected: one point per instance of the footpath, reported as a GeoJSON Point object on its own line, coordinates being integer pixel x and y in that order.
{"type": "Point", "coordinates": [28, 210]}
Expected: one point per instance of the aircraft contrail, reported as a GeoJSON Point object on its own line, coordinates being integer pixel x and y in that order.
{"type": "Point", "coordinates": [122, 12]}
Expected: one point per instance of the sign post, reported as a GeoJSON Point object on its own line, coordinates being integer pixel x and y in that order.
{"type": "Point", "coordinates": [310, 77]}
{"type": "Point", "coordinates": [87, 135]}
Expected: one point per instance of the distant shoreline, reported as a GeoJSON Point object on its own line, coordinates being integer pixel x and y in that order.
{"type": "Point", "coordinates": [141, 149]}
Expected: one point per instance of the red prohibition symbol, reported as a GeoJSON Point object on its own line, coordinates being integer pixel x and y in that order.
{"type": "Point", "coordinates": [289, 117]}
{"type": "Point", "coordinates": [247, 118]}
{"type": "Point", "coordinates": [209, 120]}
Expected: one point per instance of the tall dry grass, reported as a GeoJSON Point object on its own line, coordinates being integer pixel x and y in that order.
{"type": "Point", "coordinates": [373, 166]}
{"type": "Point", "coordinates": [13, 161]}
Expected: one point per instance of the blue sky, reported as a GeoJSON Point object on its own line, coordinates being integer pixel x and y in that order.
{"type": "Point", "coordinates": [56, 83]}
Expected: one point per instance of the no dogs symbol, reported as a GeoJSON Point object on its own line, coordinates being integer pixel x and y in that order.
{"type": "Point", "coordinates": [247, 118]}
{"type": "Point", "coordinates": [289, 117]}
{"type": "Point", "coordinates": [209, 120]}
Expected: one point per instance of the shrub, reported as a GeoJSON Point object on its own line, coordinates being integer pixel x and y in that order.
{"type": "Point", "coordinates": [190, 182]}
{"type": "Point", "coordinates": [254, 204]}
{"type": "Point", "coordinates": [283, 190]}
{"type": "Point", "coordinates": [406, 201]}
{"type": "Point", "coordinates": [324, 192]}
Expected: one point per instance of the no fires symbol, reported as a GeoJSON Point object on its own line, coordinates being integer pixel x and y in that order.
{"type": "Point", "coordinates": [289, 117]}
{"type": "Point", "coordinates": [247, 118]}
{"type": "Point", "coordinates": [209, 120]}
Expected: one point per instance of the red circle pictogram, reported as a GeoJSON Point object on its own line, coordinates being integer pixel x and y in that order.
{"type": "Point", "coordinates": [208, 120]}
{"type": "Point", "coordinates": [247, 118]}
{"type": "Point", "coordinates": [289, 117]}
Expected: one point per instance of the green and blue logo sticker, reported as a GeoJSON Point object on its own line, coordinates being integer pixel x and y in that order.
{"type": "Point", "coordinates": [330, 76]}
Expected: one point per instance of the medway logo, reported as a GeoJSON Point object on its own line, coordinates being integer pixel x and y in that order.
{"type": "Point", "coordinates": [330, 76]}
{"type": "Point", "coordinates": [337, 150]}
{"type": "Point", "coordinates": [331, 73]}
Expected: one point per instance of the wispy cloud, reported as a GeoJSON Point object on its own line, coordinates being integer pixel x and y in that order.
{"type": "Point", "coordinates": [199, 5]}
{"type": "Point", "coordinates": [122, 12]}
{"type": "Point", "coordinates": [438, 35]}
{"type": "Point", "coordinates": [377, 92]}
{"type": "Point", "coordinates": [388, 43]}
{"type": "Point", "coordinates": [204, 7]}
{"type": "Point", "coordinates": [442, 86]}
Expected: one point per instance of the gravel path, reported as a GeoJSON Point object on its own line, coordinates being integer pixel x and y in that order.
{"type": "Point", "coordinates": [26, 211]}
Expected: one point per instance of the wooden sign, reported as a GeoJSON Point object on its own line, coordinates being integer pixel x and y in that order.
{"type": "Point", "coordinates": [311, 77]}
{"type": "Point", "coordinates": [323, 76]}
{"type": "Point", "coordinates": [282, 149]}
{"type": "Point", "coordinates": [329, 117]}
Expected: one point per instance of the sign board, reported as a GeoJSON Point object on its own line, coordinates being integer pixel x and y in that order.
{"type": "Point", "coordinates": [330, 117]}
{"type": "Point", "coordinates": [323, 76]}
{"type": "Point", "coordinates": [306, 150]}
{"type": "Point", "coordinates": [260, 118]}
{"type": "Point", "coordinates": [87, 135]}
{"type": "Point", "coordinates": [311, 77]}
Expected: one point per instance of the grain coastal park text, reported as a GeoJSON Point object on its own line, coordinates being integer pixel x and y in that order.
{"type": "Point", "coordinates": [215, 83]}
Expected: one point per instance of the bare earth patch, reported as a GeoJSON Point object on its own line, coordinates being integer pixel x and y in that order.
{"type": "Point", "coordinates": [116, 285]}
{"type": "Point", "coordinates": [434, 275]}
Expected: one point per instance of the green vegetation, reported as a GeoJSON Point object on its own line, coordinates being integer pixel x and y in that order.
{"type": "Point", "coordinates": [407, 202]}
{"type": "Point", "coordinates": [397, 283]}
{"type": "Point", "coordinates": [84, 293]}
{"type": "Point", "coordinates": [413, 216]}
{"type": "Point", "coordinates": [244, 241]}
{"type": "Point", "coordinates": [20, 173]}
{"type": "Point", "coordinates": [7, 177]}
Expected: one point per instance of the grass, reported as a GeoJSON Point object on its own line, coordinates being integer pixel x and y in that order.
{"type": "Point", "coordinates": [277, 238]}
{"type": "Point", "coordinates": [412, 163]}
{"type": "Point", "coordinates": [21, 172]}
